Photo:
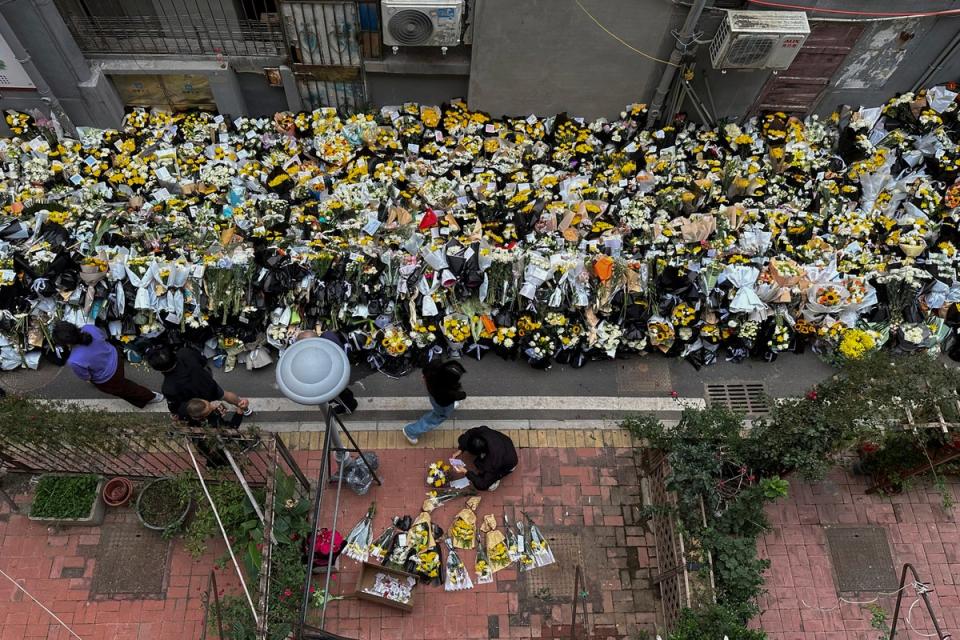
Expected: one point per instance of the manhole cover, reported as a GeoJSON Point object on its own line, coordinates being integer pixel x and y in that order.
{"type": "Point", "coordinates": [861, 559]}
{"type": "Point", "coordinates": [742, 397]}
{"type": "Point", "coordinates": [556, 581]}
{"type": "Point", "coordinates": [130, 562]}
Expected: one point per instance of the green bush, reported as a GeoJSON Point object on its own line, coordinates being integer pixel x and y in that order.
{"type": "Point", "coordinates": [64, 496]}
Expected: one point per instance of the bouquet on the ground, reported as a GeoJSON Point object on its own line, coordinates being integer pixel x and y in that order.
{"type": "Point", "coordinates": [380, 547]}
{"type": "Point", "coordinates": [358, 541]}
{"type": "Point", "coordinates": [458, 578]}
{"type": "Point", "coordinates": [402, 546]}
{"type": "Point", "coordinates": [437, 474]}
{"type": "Point", "coordinates": [539, 546]}
{"type": "Point", "coordinates": [463, 531]}
{"type": "Point", "coordinates": [483, 567]}
{"type": "Point", "coordinates": [443, 496]}
{"type": "Point", "coordinates": [525, 561]}
{"type": "Point", "coordinates": [513, 543]}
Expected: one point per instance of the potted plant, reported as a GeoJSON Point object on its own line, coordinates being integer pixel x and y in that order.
{"type": "Point", "coordinates": [161, 506]}
{"type": "Point", "coordinates": [117, 492]}
{"type": "Point", "coordinates": [68, 500]}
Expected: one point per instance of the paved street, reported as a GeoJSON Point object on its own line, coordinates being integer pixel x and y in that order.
{"type": "Point", "coordinates": [601, 390]}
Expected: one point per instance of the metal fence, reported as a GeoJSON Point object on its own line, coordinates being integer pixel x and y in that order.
{"type": "Point", "coordinates": [142, 455]}
{"type": "Point", "coordinates": [178, 34]}
{"type": "Point", "coordinates": [685, 574]}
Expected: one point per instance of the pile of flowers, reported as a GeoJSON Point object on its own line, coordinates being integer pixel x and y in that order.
{"type": "Point", "coordinates": [421, 229]}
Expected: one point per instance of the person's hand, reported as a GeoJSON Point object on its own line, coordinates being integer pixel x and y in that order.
{"type": "Point", "coordinates": [220, 408]}
{"type": "Point", "coordinates": [243, 403]}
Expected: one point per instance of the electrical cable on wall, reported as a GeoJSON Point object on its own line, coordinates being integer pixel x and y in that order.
{"type": "Point", "coordinates": [621, 40]}
{"type": "Point", "coordinates": [851, 12]}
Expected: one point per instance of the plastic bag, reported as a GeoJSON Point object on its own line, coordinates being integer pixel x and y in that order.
{"type": "Point", "coordinates": [356, 474]}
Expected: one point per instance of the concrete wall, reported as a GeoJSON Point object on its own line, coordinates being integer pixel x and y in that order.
{"type": "Point", "coordinates": [261, 98]}
{"type": "Point", "coordinates": [85, 96]}
{"type": "Point", "coordinates": [547, 56]}
{"type": "Point", "coordinates": [388, 89]}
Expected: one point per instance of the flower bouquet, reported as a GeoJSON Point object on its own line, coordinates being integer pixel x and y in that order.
{"type": "Point", "coordinates": [456, 329]}
{"type": "Point", "coordinates": [525, 559]}
{"type": "Point", "coordinates": [458, 579]}
{"type": "Point", "coordinates": [483, 567]}
{"type": "Point", "coordinates": [443, 496]}
{"type": "Point", "coordinates": [380, 547]}
{"type": "Point", "coordinates": [513, 543]}
{"type": "Point", "coordinates": [539, 547]}
{"type": "Point", "coordinates": [463, 531]}
{"type": "Point", "coordinates": [437, 474]}
{"type": "Point", "coordinates": [360, 537]}
{"type": "Point", "coordinates": [497, 552]}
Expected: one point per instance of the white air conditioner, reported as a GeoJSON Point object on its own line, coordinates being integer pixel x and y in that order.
{"type": "Point", "coordinates": [422, 23]}
{"type": "Point", "coordinates": [759, 39]}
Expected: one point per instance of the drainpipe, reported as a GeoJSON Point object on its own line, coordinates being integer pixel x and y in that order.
{"type": "Point", "coordinates": [46, 93]}
{"type": "Point", "coordinates": [680, 49]}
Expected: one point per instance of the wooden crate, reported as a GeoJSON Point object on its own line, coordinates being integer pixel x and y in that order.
{"type": "Point", "coordinates": [368, 573]}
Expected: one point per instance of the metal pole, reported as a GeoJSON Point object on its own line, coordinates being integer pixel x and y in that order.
{"type": "Point", "coordinates": [321, 483]}
{"type": "Point", "coordinates": [926, 601]}
{"type": "Point", "coordinates": [683, 43]}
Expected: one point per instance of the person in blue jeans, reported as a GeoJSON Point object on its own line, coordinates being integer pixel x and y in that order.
{"type": "Point", "coordinates": [442, 378]}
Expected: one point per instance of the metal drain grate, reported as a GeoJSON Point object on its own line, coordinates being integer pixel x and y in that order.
{"type": "Point", "coordinates": [556, 581]}
{"type": "Point", "coordinates": [743, 397]}
{"type": "Point", "coordinates": [861, 559]}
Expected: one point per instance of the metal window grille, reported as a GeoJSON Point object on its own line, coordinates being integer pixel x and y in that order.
{"type": "Point", "coordinates": [184, 27]}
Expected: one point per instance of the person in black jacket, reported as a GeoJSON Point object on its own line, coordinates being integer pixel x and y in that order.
{"type": "Point", "coordinates": [187, 376]}
{"type": "Point", "coordinates": [494, 456]}
{"type": "Point", "coordinates": [442, 378]}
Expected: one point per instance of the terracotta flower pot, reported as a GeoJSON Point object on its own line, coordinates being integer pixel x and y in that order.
{"type": "Point", "coordinates": [117, 492]}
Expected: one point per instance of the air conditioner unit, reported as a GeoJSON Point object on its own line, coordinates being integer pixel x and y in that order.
{"type": "Point", "coordinates": [759, 39]}
{"type": "Point", "coordinates": [422, 23]}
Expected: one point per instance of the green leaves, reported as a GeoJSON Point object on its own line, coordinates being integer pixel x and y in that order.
{"type": "Point", "coordinates": [64, 496]}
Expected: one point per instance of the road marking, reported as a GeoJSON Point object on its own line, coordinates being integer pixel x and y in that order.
{"type": "Point", "coordinates": [421, 403]}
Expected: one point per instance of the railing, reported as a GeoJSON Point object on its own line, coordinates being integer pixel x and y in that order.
{"type": "Point", "coordinates": [178, 34]}
{"type": "Point", "coordinates": [141, 455]}
{"type": "Point", "coordinates": [212, 601]}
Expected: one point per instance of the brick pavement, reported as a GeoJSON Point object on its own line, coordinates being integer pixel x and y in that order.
{"type": "Point", "coordinates": [802, 602]}
{"type": "Point", "coordinates": [574, 482]}
{"type": "Point", "coordinates": [590, 492]}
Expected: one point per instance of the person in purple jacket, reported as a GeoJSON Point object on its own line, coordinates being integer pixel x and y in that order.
{"type": "Point", "coordinates": [97, 361]}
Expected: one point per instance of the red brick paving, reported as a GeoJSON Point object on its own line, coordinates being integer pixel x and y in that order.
{"type": "Point", "coordinates": [585, 491]}
{"type": "Point", "coordinates": [802, 602]}
{"type": "Point", "coordinates": [593, 492]}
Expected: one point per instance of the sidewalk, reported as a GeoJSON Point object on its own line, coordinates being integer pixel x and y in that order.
{"type": "Point", "coordinates": [581, 487]}
{"type": "Point", "coordinates": [803, 602]}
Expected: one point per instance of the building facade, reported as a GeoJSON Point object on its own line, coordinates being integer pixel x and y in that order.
{"type": "Point", "coordinates": [87, 61]}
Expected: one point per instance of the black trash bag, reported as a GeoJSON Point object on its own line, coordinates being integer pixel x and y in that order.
{"type": "Point", "coordinates": [357, 475]}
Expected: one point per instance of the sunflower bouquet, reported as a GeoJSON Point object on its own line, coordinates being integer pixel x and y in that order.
{"type": "Point", "coordinates": [483, 566]}
{"type": "Point", "coordinates": [395, 341]}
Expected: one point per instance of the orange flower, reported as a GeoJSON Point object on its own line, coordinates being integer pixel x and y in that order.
{"type": "Point", "coordinates": [603, 268]}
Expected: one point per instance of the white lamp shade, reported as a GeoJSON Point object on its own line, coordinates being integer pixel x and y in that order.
{"type": "Point", "coordinates": [313, 371]}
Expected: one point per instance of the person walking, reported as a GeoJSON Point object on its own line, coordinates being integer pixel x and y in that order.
{"type": "Point", "coordinates": [494, 456]}
{"type": "Point", "coordinates": [186, 376]}
{"type": "Point", "coordinates": [97, 361]}
{"type": "Point", "coordinates": [442, 378]}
